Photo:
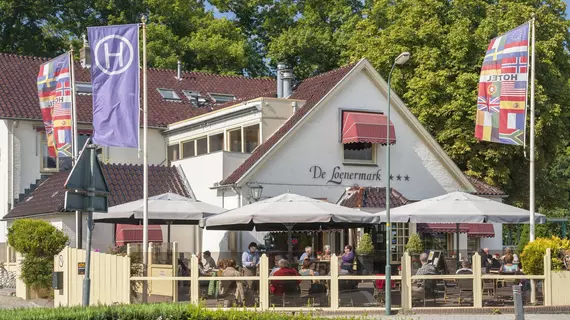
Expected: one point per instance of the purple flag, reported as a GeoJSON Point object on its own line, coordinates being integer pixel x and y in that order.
{"type": "Point", "coordinates": [115, 79]}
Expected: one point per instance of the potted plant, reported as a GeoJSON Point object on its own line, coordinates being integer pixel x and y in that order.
{"type": "Point", "coordinates": [415, 247]}
{"type": "Point", "coordinates": [365, 252]}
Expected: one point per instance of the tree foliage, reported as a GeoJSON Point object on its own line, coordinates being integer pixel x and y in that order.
{"type": "Point", "coordinates": [532, 257]}
{"type": "Point", "coordinates": [38, 242]}
{"type": "Point", "coordinates": [448, 40]}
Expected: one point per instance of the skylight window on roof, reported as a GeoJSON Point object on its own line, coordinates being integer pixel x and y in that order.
{"type": "Point", "coordinates": [83, 88]}
{"type": "Point", "coordinates": [168, 94]}
{"type": "Point", "coordinates": [222, 97]}
{"type": "Point", "coordinates": [191, 95]}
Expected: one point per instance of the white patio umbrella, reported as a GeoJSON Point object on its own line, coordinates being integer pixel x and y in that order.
{"type": "Point", "coordinates": [166, 208]}
{"type": "Point", "coordinates": [288, 212]}
{"type": "Point", "coordinates": [460, 207]}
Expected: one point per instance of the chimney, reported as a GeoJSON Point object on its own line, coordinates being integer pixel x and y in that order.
{"type": "Point", "coordinates": [85, 54]}
{"type": "Point", "coordinates": [179, 71]}
{"type": "Point", "coordinates": [280, 67]}
{"type": "Point", "coordinates": [287, 77]}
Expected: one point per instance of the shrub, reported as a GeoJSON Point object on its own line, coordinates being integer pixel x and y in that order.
{"type": "Point", "coordinates": [365, 245]}
{"type": "Point", "coordinates": [38, 242]}
{"type": "Point", "coordinates": [148, 312]}
{"type": "Point", "coordinates": [415, 245]}
{"type": "Point", "coordinates": [533, 253]}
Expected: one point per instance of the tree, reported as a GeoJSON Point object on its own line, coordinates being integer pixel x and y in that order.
{"type": "Point", "coordinates": [38, 242]}
{"type": "Point", "coordinates": [448, 40]}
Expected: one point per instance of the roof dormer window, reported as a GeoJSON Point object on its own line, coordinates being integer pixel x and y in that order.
{"type": "Point", "coordinates": [83, 88]}
{"type": "Point", "coordinates": [222, 97]}
{"type": "Point", "coordinates": [168, 94]}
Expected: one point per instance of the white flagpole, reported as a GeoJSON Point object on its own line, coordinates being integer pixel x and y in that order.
{"type": "Point", "coordinates": [75, 149]}
{"type": "Point", "coordinates": [531, 206]}
{"type": "Point", "coordinates": [145, 163]}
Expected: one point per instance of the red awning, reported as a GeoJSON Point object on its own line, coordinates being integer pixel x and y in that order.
{"type": "Point", "coordinates": [127, 233]}
{"type": "Point", "coordinates": [366, 127]}
{"type": "Point", "coordinates": [475, 230]}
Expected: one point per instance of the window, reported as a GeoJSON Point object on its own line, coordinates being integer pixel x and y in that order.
{"type": "Point", "coordinates": [47, 163]}
{"type": "Point", "coordinates": [359, 152]}
{"type": "Point", "coordinates": [222, 97]}
{"type": "Point", "coordinates": [216, 142]}
{"type": "Point", "coordinates": [191, 95]}
{"type": "Point", "coordinates": [188, 149]}
{"type": "Point", "coordinates": [400, 235]}
{"type": "Point", "coordinates": [84, 88]}
{"type": "Point", "coordinates": [201, 146]}
{"type": "Point", "coordinates": [173, 152]}
{"type": "Point", "coordinates": [234, 140]}
{"type": "Point", "coordinates": [168, 94]}
{"type": "Point", "coordinates": [251, 135]}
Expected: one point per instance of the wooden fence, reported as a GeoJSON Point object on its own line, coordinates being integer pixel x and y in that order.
{"type": "Point", "coordinates": [109, 278]}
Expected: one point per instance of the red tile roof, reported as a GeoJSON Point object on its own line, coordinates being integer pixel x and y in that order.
{"type": "Point", "coordinates": [312, 90]}
{"type": "Point", "coordinates": [125, 184]}
{"type": "Point", "coordinates": [371, 197]}
{"type": "Point", "coordinates": [485, 189]}
{"type": "Point", "coordinates": [19, 97]}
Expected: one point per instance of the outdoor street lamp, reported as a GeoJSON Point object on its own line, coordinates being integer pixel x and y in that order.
{"type": "Point", "coordinates": [255, 191]}
{"type": "Point", "coordinates": [401, 59]}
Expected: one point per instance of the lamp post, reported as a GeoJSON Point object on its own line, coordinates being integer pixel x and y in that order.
{"type": "Point", "coordinates": [401, 59]}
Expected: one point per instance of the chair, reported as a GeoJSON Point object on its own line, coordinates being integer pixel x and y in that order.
{"type": "Point", "coordinates": [304, 292]}
{"type": "Point", "coordinates": [428, 290]}
{"type": "Point", "coordinates": [290, 296]}
{"type": "Point", "coordinates": [465, 287]}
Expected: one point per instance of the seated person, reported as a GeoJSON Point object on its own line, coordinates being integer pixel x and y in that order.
{"type": "Point", "coordinates": [276, 266]}
{"type": "Point", "coordinates": [425, 269]}
{"type": "Point", "coordinates": [210, 263]}
{"type": "Point", "coordinates": [229, 288]}
{"type": "Point", "coordinates": [509, 267]}
{"type": "Point", "coordinates": [347, 258]}
{"type": "Point", "coordinates": [326, 255]}
{"type": "Point", "coordinates": [465, 268]}
{"type": "Point", "coordinates": [306, 268]}
{"type": "Point", "coordinates": [278, 287]}
{"type": "Point", "coordinates": [495, 262]}
{"type": "Point", "coordinates": [307, 255]}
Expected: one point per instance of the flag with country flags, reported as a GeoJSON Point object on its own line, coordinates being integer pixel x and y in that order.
{"type": "Point", "coordinates": [54, 91]}
{"type": "Point", "coordinates": [501, 102]}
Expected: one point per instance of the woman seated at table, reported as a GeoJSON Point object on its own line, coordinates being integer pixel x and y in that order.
{"type": "Point", "coordinates": [347, 259]}
{"type": "Point", "coordinates": [306, 269]}
{"type": "Point", "coordinates": [278, 287]}
{"type": "Point", "coordinates": [509, 267]}
{"type": "Point", "coordinates": [326, 255]}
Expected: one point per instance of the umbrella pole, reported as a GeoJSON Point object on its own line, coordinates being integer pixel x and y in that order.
{"type": "Point", "coordinates": [289, 239]}
{"type": "Point", "coordinates": [457, 245]}
{"type": "Point", "coordinates": [168, 232]}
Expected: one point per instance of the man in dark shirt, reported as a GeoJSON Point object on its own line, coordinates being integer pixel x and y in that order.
{"type": "Point", "coordinates": [426, 269]}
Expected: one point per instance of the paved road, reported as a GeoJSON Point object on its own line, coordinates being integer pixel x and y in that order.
{"type": "Point", "coordinates": [7, 301]}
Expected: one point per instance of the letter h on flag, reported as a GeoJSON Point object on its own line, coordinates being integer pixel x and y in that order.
{"type": "Point", "coordinates": [116, 85]}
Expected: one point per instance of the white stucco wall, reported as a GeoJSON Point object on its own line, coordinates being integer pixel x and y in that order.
{"type": "Point", "coordinates": [316, 143]}
{"type": "Point", "coordinates": [4, 175]}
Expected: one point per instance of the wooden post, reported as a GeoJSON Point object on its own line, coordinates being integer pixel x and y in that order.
{"type": "Point", "coordinates": [477, 281]}
{"type": "Point", "coordinates": [264, 283]}
{"type": "Point", "coordinates": [175, 271]}
{"type": "Point", "coordinates": [406, 282]}
{"type": "Point", "coordinates": [194, 283]}
{"type": "Point", "coordinates": [334, 282]}
{"type": "Point", "coordinates": [547, 283]}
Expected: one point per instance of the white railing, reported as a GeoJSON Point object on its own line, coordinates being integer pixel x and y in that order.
{"type": "Point", "coordinates": [334, 292]}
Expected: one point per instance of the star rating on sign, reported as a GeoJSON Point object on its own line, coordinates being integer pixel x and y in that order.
{"type": "Point", "coordinates": [400, 177]}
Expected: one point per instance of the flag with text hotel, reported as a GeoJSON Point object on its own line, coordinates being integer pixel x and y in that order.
{"type": "Point", "coordinates": [502, 98]}
{"type": "Point", "coordinates": [54, 92]}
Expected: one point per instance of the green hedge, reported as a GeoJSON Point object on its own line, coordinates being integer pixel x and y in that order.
{"type": "Point", "coordinates": [165, 311]}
